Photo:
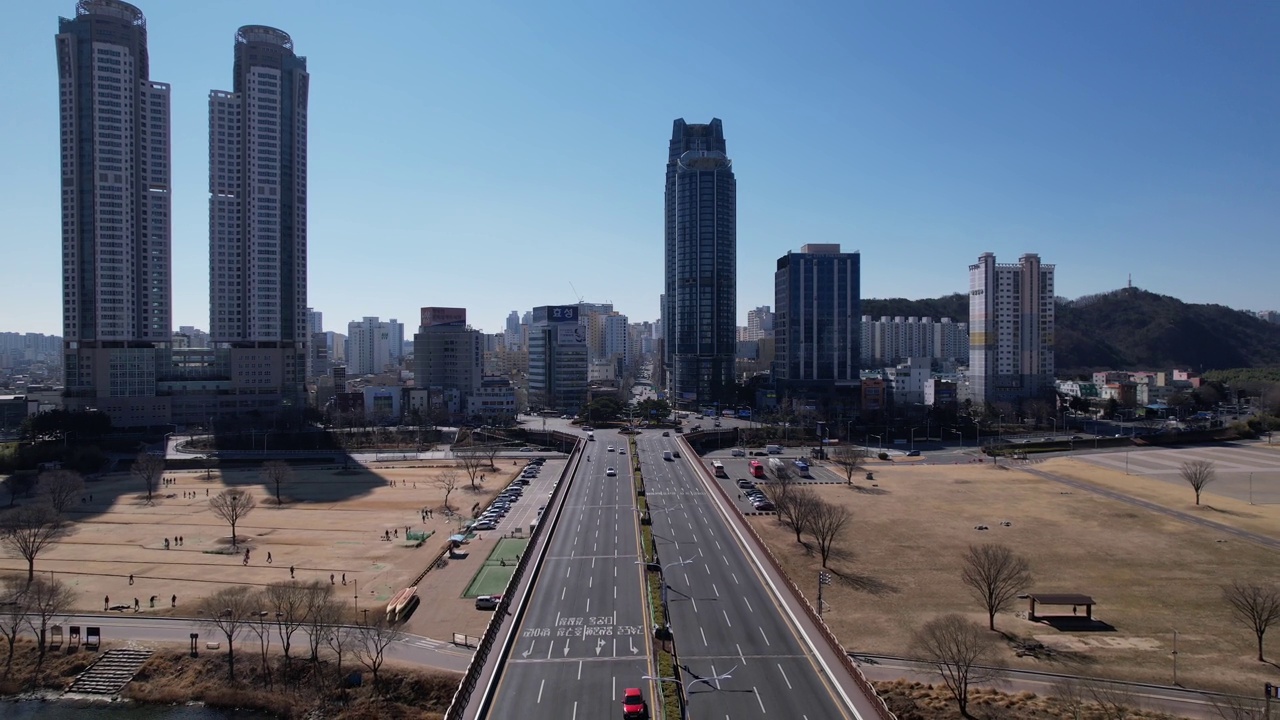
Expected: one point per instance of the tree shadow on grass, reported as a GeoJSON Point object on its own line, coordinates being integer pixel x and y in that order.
{"type": "Point", "coordinates": [861, 490]}
{"type": "Point", "coordinates": [858, 581]}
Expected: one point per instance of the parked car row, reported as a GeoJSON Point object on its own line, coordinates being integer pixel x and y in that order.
{"type": "Point", "coordinates": [501, 505]}
{"type": "Point", "coordinates": [758, 499]}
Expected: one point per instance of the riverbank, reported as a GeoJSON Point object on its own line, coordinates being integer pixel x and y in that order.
{"type": "Point", "coordinates": [298, 688]}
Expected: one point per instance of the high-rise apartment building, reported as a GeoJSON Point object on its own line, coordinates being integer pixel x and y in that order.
{"type": "Point", "coordinates": [512, 337]}
{"type": "Point", "coordinates": [258, 212]}
{"type": "Point", "coordinates": [890, 340]}
{"type": "Point", "coordinates": [116, 233]}
{"type": "Point", "coordinates": [817, 324]}
{"type": "Point", "coordinates": [701, 241]}
{"type": "Point", "coordinates": [759, 323]}
{"type": "Point", "coordinates": [373, 345]}
{"type": "Point", "coordinates": [1011, 319]}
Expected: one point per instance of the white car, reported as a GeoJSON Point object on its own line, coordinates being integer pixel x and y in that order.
{"type": "Point", "coordinates": [610, 448]}
{"type": "Point", "coordinates": [610, 472]}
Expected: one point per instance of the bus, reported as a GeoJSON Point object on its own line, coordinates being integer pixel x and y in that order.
{"type": "Point", "coordinates": [757, 470]}
{"type": "Point", "coordinates": [718, 468]}
{"type": "Point", "coordinates": [802, 468]}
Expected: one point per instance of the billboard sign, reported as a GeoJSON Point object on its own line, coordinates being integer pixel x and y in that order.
{"type": "Point", "coordinates": [433, 316]}
{"type": "Point", "coordinates": [562, 313]}
{"type": "Point", "coordinates": [573, 334]}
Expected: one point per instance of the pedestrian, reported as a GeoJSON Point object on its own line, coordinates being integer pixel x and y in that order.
{"type": "Point", "coordinates": [181, 541]}
{"type": "Point", "coordinates": [330, 578]}
{"type": "Point", "coordinates": [131, 579]}
{"type": "Point", "coordinates": [344, 578]}
{"type": "Point", "coordinates": [268, 557]}
{"type": "Point", "coordinates": [206, 492]}
{"type": "Point", "coordinates": [290, 571]}
{"type": "Point", "coordinates": [166, 543]}
{"type": "Point", "coordinates": [245, 561]}
{"type": "Point", "coordinates": [106, 602]}
{"type": "Point", "coordinates": [153, 601]}
{"type": "Point", "coordinates": [173, 602]}
{"type": "Point", "coordinates": [136, 605]}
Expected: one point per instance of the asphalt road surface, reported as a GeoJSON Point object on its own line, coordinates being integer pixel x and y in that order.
{"type": "Point", "coordinates": [584, 637]}
{"type": "Point", "coordinates": [725, 620]}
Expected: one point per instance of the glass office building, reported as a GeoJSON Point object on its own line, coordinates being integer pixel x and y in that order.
{"type": "Point", "coordinates": [701, 238]}
{"type": "Point", "coordinates": [817, 317]}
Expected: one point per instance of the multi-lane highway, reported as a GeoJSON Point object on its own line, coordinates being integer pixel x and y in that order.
{"type": "Point", "coordinates": [724, 617]}
{"type": "Point", "coordinates": [583, 638]}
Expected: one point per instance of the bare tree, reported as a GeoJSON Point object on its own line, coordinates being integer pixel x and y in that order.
{"type": "Point", "coordinates": [1113, 701]}
{"type": "Point", "coordinates": [149, 469]}
{"type": "Point", "coordinates": [278, 475]}
{"type": "Point", "coordinates": [28, 530]}
{"type": "Point", "coordinates": [796, 506]}
{"type": "Point", "coordinates": [229, 611]}
{"type": "Point", "coordinates": [1233, 707]}
{"type": "Point", "coordinates": [261, 629]}
{"type": "Point", "coordinates": [827, 525]}
{"type": "Point", "coordinates": [490, 451]}
{"type": "Point", "coordinates": [371, 643]}
{"type": "Point", "coordinates": [472, 460]}
{"type": "Point", "coordinates": [13, 613]}
{"type": "Point", "coordinates": [46, 600]}
{"type": "Point", "coordinates": [446, 480]}
{"type": "Point", "coordinates": [287, 602]}
{"type": "Point", "coordinates": [1198, 474]}
{"type": "Point", "coordinates": [1257, 607]}
{"type": "Point", "coordinates": [232, 505]}
{"type": "Point", "coordinates": [959, 651]}
{"type": "Point", "coordinates": [341, 640]}
{"type": "Point", "coordinates": [995, 575]}
{"type": "Point", "coordinates": [322, 610]}
{"type": "Point", "coordinates": [18, 484]}
{"type": "Point", "coordinates": [60, 488]}
{"type": "Point", "coordinates": [848, 458]}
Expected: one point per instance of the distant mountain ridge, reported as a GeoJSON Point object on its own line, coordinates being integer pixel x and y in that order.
{"type": "Point", "coordinates": [1129, 329]}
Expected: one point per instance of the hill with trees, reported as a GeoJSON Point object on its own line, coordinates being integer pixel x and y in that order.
{"type": "Point", "coordinates": [1130, 329]}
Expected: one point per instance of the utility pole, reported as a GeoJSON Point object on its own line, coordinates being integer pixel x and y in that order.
{"type": "Point", "coordinates": [1175, 657]}
{"type": "Point", "coordinates": [824, 578]}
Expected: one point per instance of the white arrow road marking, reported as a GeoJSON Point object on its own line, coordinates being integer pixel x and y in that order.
{"type": "Point", "coordinates": [566, 646]}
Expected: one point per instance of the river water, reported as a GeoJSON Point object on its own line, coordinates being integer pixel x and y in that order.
{"type": "Point", "coordinates": [57, 710]}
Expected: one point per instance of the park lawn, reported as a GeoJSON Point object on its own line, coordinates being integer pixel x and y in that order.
{"type": "Point", "coordinates": [901, 557]}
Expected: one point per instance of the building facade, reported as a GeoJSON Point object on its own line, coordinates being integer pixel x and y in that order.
{"type": "Point", "coordinates": [759, 323]}
{"type": "Point", "coordinates": [891, 340]}
{"type": "Point", "coordinates": [447, 353]}
{"type": "Point", "coordinates": [1011, 326]}
{"type": "Point", "coordinates": [258, 214]}
{"type": "Point", "coordinates": [116, 232]}
{"type": "Point", "coordinates": [373, 345]}
{"type": "Point", "coordinates": [557, 359]}
{"type": "Point", "coordinates": [701, 241]}
{"type": "Point", "coordinates": [817, 322]}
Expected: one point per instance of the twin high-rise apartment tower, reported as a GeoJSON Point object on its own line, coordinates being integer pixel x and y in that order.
{"type": "Point", "coordinates": [117, 227]}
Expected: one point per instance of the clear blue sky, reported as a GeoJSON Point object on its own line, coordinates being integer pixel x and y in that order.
{"type": "Point", "coordinates": [487, 155]}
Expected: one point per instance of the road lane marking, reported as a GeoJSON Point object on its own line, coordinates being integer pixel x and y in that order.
{"type": "Point", "coordinates": [541, 685]}
{"type": "Point", "coordinates": [735, 578]}
{"type": "Point", "coordinates": [580, 670]}
{"type": "Point", "coordinates": [740, 655]}
{"type": "Point", "coordinates": [753, 689]}
{"type": "Point", "coordinates": [784, 677]}
{"type": "Point", "coordinates": [704, 636]}
{"type": "Point", "coordinates": [589, 612]}
{"type": "Point", "coordinates": [766, 637]}
{"type": "Point", "coordinates": [694, 600]}
{"type": "Point", "coordinates": [726, 618]}
{"type": "Point", "coordinates": [748, 602]}
{"type": "Point", "coordinates": [715, 589]}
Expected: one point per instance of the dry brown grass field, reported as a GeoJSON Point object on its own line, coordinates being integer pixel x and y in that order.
{"type": "Point", "coordinates": [331, 524]}
{"type": "Point", "coordinates": [900, 562]}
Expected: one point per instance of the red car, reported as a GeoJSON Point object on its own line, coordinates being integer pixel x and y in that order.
{"type": "Point", "coordinates": [633, 707]}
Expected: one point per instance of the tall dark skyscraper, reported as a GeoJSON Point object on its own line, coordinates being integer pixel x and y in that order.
{"type": "Point", "coordinates": [116, 237]}
{"type": "Point", "coordinates": [701, 245]}
{"type": "Point", "coordinates": [258, 216]}
{"type": "Point", "coordinates": [817, 324]}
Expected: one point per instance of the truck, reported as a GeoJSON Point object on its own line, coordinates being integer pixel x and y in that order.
{"type": "Point", "coordinates": [773, 449]}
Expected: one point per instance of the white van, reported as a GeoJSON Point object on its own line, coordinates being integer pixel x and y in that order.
{"type": "Point", "coordinates": [666, 455]}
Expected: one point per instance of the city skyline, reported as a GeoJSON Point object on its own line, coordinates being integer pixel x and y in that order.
{"type": "Point", "coordinates": [995, 128]}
